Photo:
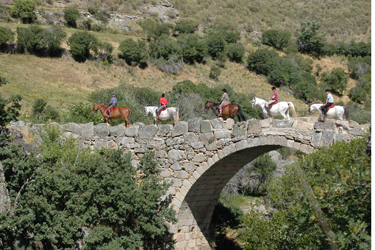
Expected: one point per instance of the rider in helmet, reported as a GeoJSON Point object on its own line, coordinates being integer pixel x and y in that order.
{"type": "Point", "coordinates": [329, 102]}
{"type": "Point", "coordinates": [163, 104]}
{"type": "Point", "coordinates": [224, 101]}
{"type": "Point", "coordinates": [112, 104]}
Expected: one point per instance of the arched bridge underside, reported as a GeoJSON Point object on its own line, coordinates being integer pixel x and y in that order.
{"type": "Point", "coordinates": [201, 156]}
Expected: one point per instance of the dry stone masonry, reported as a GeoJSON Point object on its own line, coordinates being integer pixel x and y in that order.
{"type": "Point", "coordinates": [200, 156]}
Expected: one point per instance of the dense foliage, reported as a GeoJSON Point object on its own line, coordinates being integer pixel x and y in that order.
{"type": "Point", "coordinates": [329, 189]}
{"type": "Point", "coordinates": [134, 53]}
{"type": "Point", "coordinates": [81, 43]}
{"type": "Point", "coordinates": [24, 9]}
{"type": "Point", "coordinates": [68, 192]}
{"type": "Point", "coordinates": [6, 35]}
{"type": "Point", "coordinates": [310, 38]}
{"type": "Point", "coordinates": [278, 39]}
{"type": "Point", "coordinates": [71, 15]}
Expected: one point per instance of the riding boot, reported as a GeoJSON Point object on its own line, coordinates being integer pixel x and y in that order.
{"type": "Point", "coordinates": [220, 111]}
{"type": "Point", "coordinates": [109, 114]}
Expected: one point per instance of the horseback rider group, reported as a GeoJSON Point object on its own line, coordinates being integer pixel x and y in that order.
{"type": "Point", "coordinates": [112, 104]}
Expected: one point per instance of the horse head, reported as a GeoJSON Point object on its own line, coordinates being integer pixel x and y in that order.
{"type": "Point", "coordinates": [94, 108]}
{"type": "Point", "coordinates": [254, 102]}
{"type": "Point", "coordinates": [310, 109]}
{"type": "Point", "coordinates": [207, 105]}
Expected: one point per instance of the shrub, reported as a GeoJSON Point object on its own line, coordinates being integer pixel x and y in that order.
{"type": "Point", "coordinates": [92, 9]}
{"type": "Point", "coordinates": [336, 80]}
{"type": "Point", "coordinates": [310, 39]}
{"type": "Point", "coordinates": [81, 113]}
{"type": "Point", "coordinates": [38, 107]}
{"type": "Point", "coordinates": [184, 28]}
{"type": "Point", "coordinates": [214, 72]}
{"type": "Point", "coordinates": [359, 66]}
{"type": "Point", "coordinates": [305, 87]}
{"type": "Point", "coordinates": [193, 49]}
{"type": "Point", "coordinates": [149, 28]}
{"type": "Point", "coordinates": [6, 35]}
{"type": "Point", "coordinates": [102, 16]}
{"type": "Point", "coordinates": [215, 43]}
{"type": "Point", "coordinates": [262, 61]}
{"type": "Point", "coordinates": [80, 45]}
{"type": "Point", "coordinates": [362, 91]}
{"type": "Point", "coordinates": [132, 52]}
{"type": "Point", "coordinates": [276, 38]}
{"type": "Point", "coordinates": [105, 50]}
{"type": "Point", "coordinates": [52, 37]}
{"type": "Point", "coordinates": [173, 65]}
{"type": "Point", "coordinates": [30, 39]}
{"type": "Point", "coordinates": [236, 52]}
{"type": "Point", "coordinates": [24, 9]}
{"type": "Point", "coordinates": [164, 47]}
{"type": "Point", "coordinates": [71, 16]}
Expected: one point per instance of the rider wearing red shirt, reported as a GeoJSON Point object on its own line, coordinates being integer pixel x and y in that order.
{"type": "Point", "coordinates": [163, 104]}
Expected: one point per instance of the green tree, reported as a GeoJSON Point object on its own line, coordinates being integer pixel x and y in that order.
{"type": "Point", "coordinates": [38, 107]}
{"type": "Point", "coordinates": [80, 45]}
{"type": "Point", "coordinates": [337, 80]}
{"type": "Point", "coordinates": [71, 16]}
{"type": "Point", "coordinates": [278, 39]}
{"type": "Point", "coordinates": [24, 9]}
{"type": "Point", "coordinates": [236, 52]}
{"type": "Point", "coordinates": [262, 61]}
{"type": "Point", "coordinates": [52, 37]}
{"type": "Point", "coordinates": [310, 39]}
{"type": "Point", "coordinates": [164, 47]}
{"type": "Point", "coordinates": [194, 48]}
{"type": "Point", "coordinates": [69, 189]}
{"type": "Point", "coordinates": [332, 185]}
{"type": "Point", "coordinates": [30, 40]}
{"type": "Point", "coordinates": [6, 35]}
{"type": "Point", "coordinates": [134, 53]}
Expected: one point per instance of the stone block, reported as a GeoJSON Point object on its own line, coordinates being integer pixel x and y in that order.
{"type": "Point", "coordinates": [328, 124]}
{"type": "Point", "coordinates": [87, 130]}
{"type": "Point", "coordinates": [164, 130]}
{"type": "Point", "coordinates": [229, 149]}
{"type": "Point", "coordinates": [229, 123]}
{"type": "Point", "coordinates": [341, 137]}
{"type": "Point", "coordinates": [190, 137]}
{"type": "Point", "coordinates": [194, 125]}
{"type": "Point", "coordinates": [197, 144]}
{"type": "Point", "coordinates": [211, 144]}
{"type": "Point", "coordinates": [221, 134]}
{"type": "Point", "coordinates": [241, 145]}
{"type": "Point", "coordinates": [327, 137]}
{"type": "Point", "coordinates": [282, 123]}
{"type": "Point", "coordinates": [176, 155]}
{"type": "Point", "coordinates": [199, 157]}
{"type": "Point", "coordinates": [239, 129]}
{"type": "Point", "coordinates": [353, 124]}
{"type": "Point", "coordinates": [180, 128]}
{"type": "Point", "coordinates": [265, 123]}
{"type": "Point", "coordinates": [205, 126]}
{"type": "Point", "coordinates": [298, 124]}
{"type": "Point", "coordinates": [254, 127]}
{"type": "Point", "coordinates": [180, 174]}
{"type": "Point", "coordinates": [217, 123]}
{"type": "Point", "coordinates": [317, 139]}
{"type": "Point", "coordinates": [343, 124]}
{"type": "Point", "coordinates": [176, 166]}
{"type": "Point", "coordinates": [72, 127]}
{"type": "Point", "coordinates": [101, 130]}
{"type": "Point", "coordinates": [118, 130]}
{"type": "Point", "coordinates": [206, 136]}
{"type": "Point", "coordinates": [132, 131]}
{"type": "Point", "coordinates": [356, 131]}
{"type": "Point", "coordinates": [147, 131]}
{"type": "Point", "coordinates": [188, 166]}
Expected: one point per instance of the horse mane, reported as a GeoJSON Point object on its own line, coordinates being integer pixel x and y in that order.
{"type": "Point", "coordinates": [213, 103]}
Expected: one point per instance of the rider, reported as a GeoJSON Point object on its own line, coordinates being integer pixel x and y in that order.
{"type": "Point", "coordinates": [224, 101]}
{"type": "Point", "coordinates": [163, 104]}
{"type": "Point", "coordinates": [329, 102]}
{"type": "Point", "coordinates": [112, 104]}
{"type": "Point", "coordinates": [273, 98]}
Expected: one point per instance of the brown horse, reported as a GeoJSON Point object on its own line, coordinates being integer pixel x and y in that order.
{"type": "Point", "coordinates": [231, 110]}
{"type": "Point", "coordinates": [123, 112]}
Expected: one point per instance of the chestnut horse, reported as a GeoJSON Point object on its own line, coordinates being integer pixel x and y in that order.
{"type": "Point", "coordinates": [231, 110]}
{"type": "Point", "coordinates": [123, 112]}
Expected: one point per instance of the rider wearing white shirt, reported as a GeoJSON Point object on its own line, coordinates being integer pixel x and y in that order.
{"type": "Point", "coordinates": [329, 102]}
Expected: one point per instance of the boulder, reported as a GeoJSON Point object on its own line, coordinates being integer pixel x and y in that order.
{"type": "Point", "coordinates": [101, 129]}
{"type": "Point", "coordinates": [299, 124]}
{"type": "Point", "coordinates": [118, 130]}
{"type": "Point", "coordinates": [194, 125]}
{"type": "Point", "coordinates": [240, 128]}
{"type": "Point", "coordinates": [206, 126]}
{"type": "Point", "coordinates": [147, 131]}
{"type": "Point", "coordinates": [179, 129]}
{"type": "Point", "coordinates": [217, 123]}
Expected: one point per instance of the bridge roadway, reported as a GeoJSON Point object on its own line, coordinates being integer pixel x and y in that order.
{"type": "Point", "coordinates": [201, 156]}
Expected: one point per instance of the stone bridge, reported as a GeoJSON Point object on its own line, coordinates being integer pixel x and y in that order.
{"type": "Point", "coordinates": [201, 156]}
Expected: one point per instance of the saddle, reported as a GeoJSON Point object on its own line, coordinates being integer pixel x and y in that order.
{"type": "Point", "coordinates": [226, 105]}
{"type": "Point", "coordinates": [273, 104]}
{"type": "Point", "coordinates": [330, 107]}
{"type": "Point", "coordinates": [111, 109]}
{"type": "Point", "coordinates": [160, 112]}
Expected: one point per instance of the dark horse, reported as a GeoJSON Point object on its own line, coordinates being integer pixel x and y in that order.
{"type": "Point", "coordinates": [231, 110]}
{"type": "Point", "coordinates": [123, 112]}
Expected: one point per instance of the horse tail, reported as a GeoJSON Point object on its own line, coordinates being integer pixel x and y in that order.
{"type": "Point", "coordinates": [130, 116]}
{"type": "Point", "coordinates": [291, 106]}
{"type": "Point", "coordinates": [240, 114]}
{"type": "Point", "coordinates": [346, 113]}
{"type": "Point", "coordinates": [177, 117]}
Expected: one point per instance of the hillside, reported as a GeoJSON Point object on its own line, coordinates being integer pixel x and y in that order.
{"type": "Point", "coordinates": [63, 81]}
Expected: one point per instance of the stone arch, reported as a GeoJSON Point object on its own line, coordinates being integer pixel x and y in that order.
{"type": "Point", "coordinates": [198, 195]}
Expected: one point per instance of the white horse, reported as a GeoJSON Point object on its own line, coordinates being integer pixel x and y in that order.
{"type": "Point", "coordinates": [170, 112]}
{"type": "Point", "coordinates": [337, 111]}
{"type": "Point", "coordinates": [281, 108]}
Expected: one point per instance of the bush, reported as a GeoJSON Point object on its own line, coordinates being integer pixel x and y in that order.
{"type": "Point", "coordinates": [173, 65]}
{"type": "Point", "coordinates": [183, 29]}
{"type": "Point", "coordinates": [362, 91]}
{"type": "Point", "coordinates": [194, 48]}
{"type": "Point", "coordinates": [6, 35]}
{"type": "Point", "coordinates": [310, 39]}
{"type": "Point", "coordinates": [52, 37]}
{"type": "Point", "coordinates": [24, 9]}
{"type": "Point", "coordinates": [30, 39]}
{"type": "Point", "coordinates": [81, 113]}
{"type": "Point", "coordinates": [71, 16]}
{"type": "Point", "coordinates": [215, 43]}
{"type": "Point", "coordinates": [262, 61]}
{"type": "Point", "coordinates": [105, 50]}
{"type": "Point", "coordinates": [336, 80]}
{"type": "Point", "coordinates": [38, 107]}
{"type": "Point", "coordinates": [305, 87]}
{"type": "Point", "coordinates": [80, 45]}
{"type": "Point", "coordinates": [133, 53]}
{"type": "Point", "coordinates": [359, 66]}
{"type": "Point", "coordinates": [92, 9]}
{"type": "Point", "coordinates": [164, 47]}
{"type": "Point", "coordinates": [276, 38]}
{"type": "Point", "coordinates": [236, 52]}
{"type": "Point", "coordinates": [214, 72]}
